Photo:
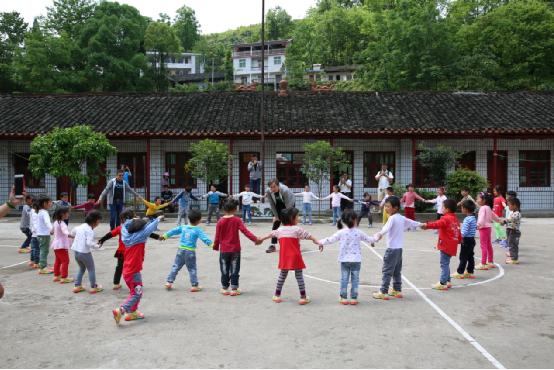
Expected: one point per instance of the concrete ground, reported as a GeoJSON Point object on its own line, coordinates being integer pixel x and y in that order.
{"type": "Point", "coordinates": [503, 318]}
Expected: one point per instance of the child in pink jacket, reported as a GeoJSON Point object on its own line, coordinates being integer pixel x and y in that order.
{"type": "Point", "coordinates": [484, 225]}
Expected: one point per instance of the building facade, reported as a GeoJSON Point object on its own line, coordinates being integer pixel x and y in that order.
{"type": "Point", "coordinates": [318, 73]}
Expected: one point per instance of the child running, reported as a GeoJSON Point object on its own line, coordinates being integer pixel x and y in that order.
{"type": "Point", "coordinates": [350, 255]}
{"type": "Point", "coordinates": [484, 224]}
{"type": "Point", "coordinates": [60, 245]}
{"type": "Point", "coordinates": [466, 268]}
{"type": "Point", "coordinates": [43, 231]}
{"type": "Point", "coordinates": [307, 197]}
{"type": "Point", "coordinates": [83, 244]}
{"type": "Point", "coordinates": [134, 234]}
{"type": "Point", "coordinates": [247, 200]}
{"type": "Point", "coordinates": [214, 198]}
{"type": "Point", "coordinates": [186, 254]}
{"type": "Point", "coordinates": [127, 214]}
{"type": "Point", "coordinates": [290, 255]}
{"type": "Point", "coordinates": [512, 227]}
{"type": "Point", "coordinates": [392, 261]}
{"type": "Point", "coordinates": [227, 242]}
{"type": "Point", "coordinates": [335, 197]}
{"type": "Point", "coordinates": [408, 199]}
{"type": "Point", "coordinates": [25, 224]}
{"type": "Point", "coordinates": [449, 238]}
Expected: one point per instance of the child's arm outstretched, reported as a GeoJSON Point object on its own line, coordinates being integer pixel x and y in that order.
{"type": "Point", "coordinates": [175, 231]}
{"type": "Point", "coordinates": [243, 229]}
{"type": "Point", "coordinates": [303, 234]}
{"type": "Point", "coordinates": [330, 239]}
{"type": "Point", "coordinates": [205, 238]}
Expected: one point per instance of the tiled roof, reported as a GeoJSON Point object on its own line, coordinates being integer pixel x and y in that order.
{"type": "Point", "coordinates": [299, 113]}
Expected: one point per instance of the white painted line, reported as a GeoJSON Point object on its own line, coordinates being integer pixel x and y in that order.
{"type": "Point", "coordinates": [451, 321]}
{"type": "Point", "coordinates": [15, 264]}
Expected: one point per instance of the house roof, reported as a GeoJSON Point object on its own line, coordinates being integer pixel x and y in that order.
{"type": "Point", "coordinates": [299, 114]}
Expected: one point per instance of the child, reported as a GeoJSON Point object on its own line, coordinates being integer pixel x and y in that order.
{"type": "Point", "coordinates": [499, 204]}
{"type": "Point", "coordinates": [469, 228]}
{"type": "Point", "coordinates": [389, 192]}
{"type": "Point", "coordinates": [350, 255]}
{"type": "Point", "coordinates": [43, 231]}
{"type": "Point", "coordinates": [63, 203]}
{"type": "Point", "coordinates": [60, 245]}
{"type": "Point", "coordinates": [83, 243]}
{"type": "Point", "coordinates": [307, 197]}
{"type": "Point", "coordinates": [186, 254]}
{"type": "Point", "coordinates": [134, 234]}
{"type": "Point", "coordinates": [88, 206]}
{"type": "Point", "coordinates": [167, 197]}
{"type": "Point", "coordinates": [392, 261]}
{"type": "Point", "coordinates": [366, 209]}
{"type": "Point", "coordinates": [153, 210]}
{"type": "Point", "coordinates": [35, 248]}
{"type": "Point", "coordinates": [465, 196]}
{"type": "Point", "coordinates": [439, 201]}
{"type": "Point", "coordinates": [484, 224]}
{"type": "Point", "coordinates": [214, 197]}
{"type": "Point", "coordinates": [247, 199]}
{"type": "Point", "coordinates": [227, 242]}
{"type": "Point", "coordinates": [290, 255]}
{"type": "Point", "coordinates": [507, 212]}
{"type": "Point", "coordinates": [25, 224]}
{"type": "Point", "coordinates": [449, 238]}
{"type": "Point", "coordinates": [335, 197]}
{"type": "Point", "coordinates": [184, 199]}
{"type": "Point", "coordinates": [512, 225]}
{"type": "Point", "coordinates": [127, 214]}
{"type": "Point", "coordinates": [408, 199]}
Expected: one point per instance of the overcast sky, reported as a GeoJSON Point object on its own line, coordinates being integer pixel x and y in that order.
{"type": "Point", "coordinates": [213, 15]}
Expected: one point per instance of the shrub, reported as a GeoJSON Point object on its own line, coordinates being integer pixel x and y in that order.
{"type": "Point", "coordinates": [464, 178]}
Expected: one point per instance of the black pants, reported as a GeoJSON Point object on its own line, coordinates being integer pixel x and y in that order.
{"type": "Point", "coordinates": [466, 256]}
{"type": "Point", "coordinates": [277, 223]}
{"type": "Point", "coordinates": [229, 264]}
{"type": "Point", "coordinates": [365, 213]}
{"type": "Point", "coordinates": [345, 204]}
{"type": "Point", "coordinates": [118, 268]}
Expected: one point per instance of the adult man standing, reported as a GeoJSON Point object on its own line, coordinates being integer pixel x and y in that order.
{"type": "Point", "coordinates": [115, 190]}
{"type": "Point", "coordinates": [384, 180]}
{"type": "Point", "coordinates": [345, 186]}
{"type": "Point", "coordinates": [280, 197]}
{"type": "Point", "coordinates": [255, 169]}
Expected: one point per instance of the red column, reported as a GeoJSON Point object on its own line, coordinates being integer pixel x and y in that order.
{"type": "Point", "coordinates": [414, 147]}
{"type": "Point", "coordinates": [147, 180]}
{"type": "Point", "coordinates": [494, 162]}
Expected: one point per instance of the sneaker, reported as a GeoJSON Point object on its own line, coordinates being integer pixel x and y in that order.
{"type": "Point", "coordinates": [195, 289]}
{"type": "Point", "coordinates": [457, 276]}
{"type": "Point", "coordinates": [56, 279]}
{"type": "Point", "coordinates": [449, 285]}
{"type": "Point", "coordinates": [24, 250]}
{"type": "Point", "coordinates": [78, 289]}
{"type": "Point", "coordinates": [510, 261]}
{"type": "Point", "coordinates": [491, 265]}
{"type": "Point", "coordinates": [45, 271]}
{"type": "Point", "coordinates": [481, 267]}
{"type": "Point", "coordinates": [439, 286]}
{"type": "Point", "coordinates": [224, 291]}
{"type": "Point", "coordinates": [271, 249]}
{"type": "Point", "coordinates": [235, 292]}
{"type": "Point", "coordinates": [66, 280]}
{"type": "Point", "coordinates": [304, 301]}
{"type": "Point", "coordinates": [135, 315]}
{"type": "Point", "coordinates": [168, 285]}
{"type": "Point", "coordinates": [353, 301]}
{"type": "Point", "coordinates": [379, 295]}
{"type": "Point", "coordinates": [468, 275]}
{"type": "Point", "coordinates": [395, 294]}
{"type": "Point", "coordinates": [344, 301]}
{"type": "Point", "coordinates": [117, 315]}
{"type": "Point", "coordinates": [116, 286]}
{"type": "Point", "coordinates": [276, 299]}
{"type": "Point", "coordinates": [97, 289]}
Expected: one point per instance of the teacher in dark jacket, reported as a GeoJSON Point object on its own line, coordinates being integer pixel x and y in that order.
{"type": "Point", "coordinates": [280, 197]}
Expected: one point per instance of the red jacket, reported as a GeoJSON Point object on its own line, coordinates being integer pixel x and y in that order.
{"type": "Point", "coordinates": [449, 233]}
{"type": "Point", "coordinates": [134, 257]}
{"type": "Point", "coordinates": [227, 237]}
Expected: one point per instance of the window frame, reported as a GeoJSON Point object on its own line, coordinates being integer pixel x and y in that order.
{"type": "Point", "coordinates": [30, 181]}
{"type": "Point", "coordinates": [186, 179]}
{"type": "Point", "coordinates": [300, 180]}
{"type": "Point", "coordinates": [527, 165]}
{"type": "Point", "coordinates": [461, 162]}
{"type": "Point", "coordinates": [275, 59]}
{"type": "Point", "coordinates": [138, 179]}
{"type": "Point", "coordinates": [369, 176]}
{"type": "Point", "coordinates": [242, 63]}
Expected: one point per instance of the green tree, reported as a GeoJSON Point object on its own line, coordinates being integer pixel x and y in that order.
{"type": "Point", "coordinates": [464, 178]}
{"type": "Point", "coordinates": [279, 24]}
{"type": "Point", "coordinates": [187, 27]}
{"type": "Point", "coordinates": [161, 39]}
{"type": "Point", "coordinates": [438, 161]}
{"type": "Point", "coordinates": [12, 34]}
{"type": "Point", "coordinates": [69, 16]}
{"type": "Point", "coordinates": [209, 161]}
{"type": "Point", "coordinates": [65, 151]}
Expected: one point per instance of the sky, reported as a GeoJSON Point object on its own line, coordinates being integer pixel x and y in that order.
{"type": "Point", "coordinates": [213, 15]}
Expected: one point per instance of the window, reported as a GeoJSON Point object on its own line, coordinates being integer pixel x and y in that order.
{"type": "Point", "coordinates": [466, 161]}
{"type": "Point", "coordinates": [242, 63]}
{"type": "Point", "coordinates": [337, 77]}
{"type": "Point", "coordinates": [534, 168]}
{"type": "Point", "coordinates": [179, 177]}
{"type": "Point", "coordinates": [21, 166]}
{"type": "Point", "coordinates": [137, 165]}
{"type": "Point", "coordinates": [277, 60]}
{"type": "Point", "coordinates": [372, 165]}
{"type": "Point", "coordinates": [288, 169]}
{"type": "Point", "coordinates": [244, 80]}
{"type": "Point", "coordinates": [422, 178]}
{"type": "Point", "coordinates": [186, 60]}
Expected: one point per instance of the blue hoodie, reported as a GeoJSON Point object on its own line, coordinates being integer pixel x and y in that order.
{"type": "Point", "coordinates": [140, 236]}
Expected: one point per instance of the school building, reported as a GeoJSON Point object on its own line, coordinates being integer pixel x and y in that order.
{"type": "Point", "coordinates": [507, 137]}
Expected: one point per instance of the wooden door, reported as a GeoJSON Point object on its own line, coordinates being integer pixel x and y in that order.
{"type": "Point", "coordinates": [63, 185]}
{"type": "Point", "coordinates": [501, 176]}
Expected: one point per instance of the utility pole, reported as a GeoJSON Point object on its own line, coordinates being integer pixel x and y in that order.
{"type": "Point", "coordinates": [262, 115]}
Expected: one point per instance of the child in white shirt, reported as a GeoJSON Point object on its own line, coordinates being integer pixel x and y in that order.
{"type": "Point", "coordinates": [335, 197]}
{"type": "Point", "coordinates": [83, 244]}
{"type": "Point", "coordinates": [43, 231]}
{"type": "Point", "coordinates": [307, 197]}
{"type": "Point", "coordinates": [439, 201]}
{"type": "Point", "coordinates": [247, 200]}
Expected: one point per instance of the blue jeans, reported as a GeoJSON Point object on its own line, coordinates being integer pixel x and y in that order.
{"type": "Point", "coordinates": [229, 264]}
{"type": "Point", "coordinates": [445, 268]}
{"type": "Point", "coordinates": [85, 262]}
{"type": "Point", "coordinates": [35, 250]}
{"type": "Point", "coordinates": [349, 271]}
{"type": "Point", "coordinates": [28, 235]}
{"type": "Point", "coordinates": [188, 258]}
{"type": "Point", "coordinates": [246, 211]}
{"type": "Point", "coordinates": [307, 211]}
{"type": "Point", "coordinates": [255, 185]}
{"type": "Point", "coordinates": [115, 209]}
{"type": "Point", "coordinates": [336, 215]}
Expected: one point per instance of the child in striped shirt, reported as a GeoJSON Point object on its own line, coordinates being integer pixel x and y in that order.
{"type": "Point", "coordinates": [466, 267]}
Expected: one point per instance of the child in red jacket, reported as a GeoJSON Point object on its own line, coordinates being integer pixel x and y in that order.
{"type": "Point", "coordinates": [227, 242]}
{"type": "Point", "coordinates": [449, 238]}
